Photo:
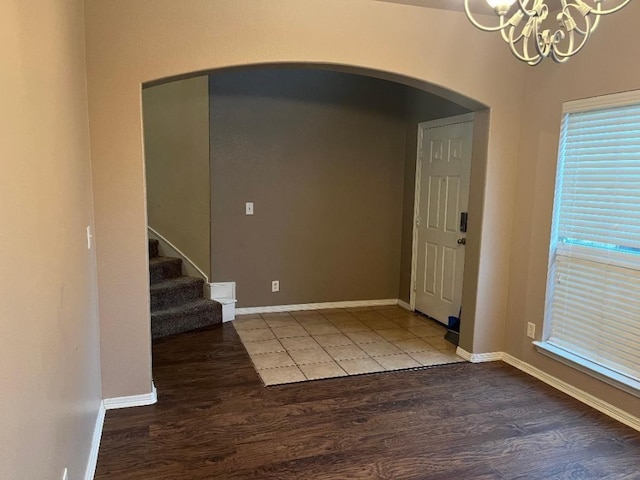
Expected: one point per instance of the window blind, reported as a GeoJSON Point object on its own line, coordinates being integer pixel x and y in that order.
{"type": "Point", "coordinates": [593, 294]}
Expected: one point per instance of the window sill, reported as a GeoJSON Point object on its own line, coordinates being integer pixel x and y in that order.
{"type": "Point", "coordinates": [615, 379]}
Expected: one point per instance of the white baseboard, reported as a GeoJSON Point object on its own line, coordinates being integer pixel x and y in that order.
{"type": "Point", "coordinates": [225, 294]}
{"type": "Point", "coordinates": [132, 400]}
{"type": "Point", "coordinates": [405, 305]}
{"type": "Point", "coordinates": [316, 306]}
{"type": "Point", "coordinates": [580, 395]}
{"type": "Point", "coordinates": [110, 404]}
{"type": "Point", "coordinates": [479, 357]}
{"type": "Point", "coordinates": [92, 462]}
{"type": "Point", "coordinates": [463, 354]}
{"type": "Point", "coordinates": [221, 290]}
{"type": "Point", "coordinates": [228, 308]}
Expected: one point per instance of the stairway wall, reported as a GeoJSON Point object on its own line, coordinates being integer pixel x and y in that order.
{"type": "Point", "coordinates": [176, 141]}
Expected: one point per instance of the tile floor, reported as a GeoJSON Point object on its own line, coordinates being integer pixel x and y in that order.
{"type": "Point", "coordinates": [315, 344]}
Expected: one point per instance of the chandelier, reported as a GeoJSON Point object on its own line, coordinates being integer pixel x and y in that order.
{"type": "Point", "coordinates": [520, 24]}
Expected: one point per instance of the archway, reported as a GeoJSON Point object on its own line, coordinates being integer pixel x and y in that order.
{"type": "Point", "coordinates": [150, 42]}
{"type": "Point", "coordinates": [281, 87]}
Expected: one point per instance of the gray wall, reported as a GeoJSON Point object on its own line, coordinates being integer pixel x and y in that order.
{"type": "Point", "coordinates": [328, 159]}
{"type": "Point", "coordinates": [176, 142]}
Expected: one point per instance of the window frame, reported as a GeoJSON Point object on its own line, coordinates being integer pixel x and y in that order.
{"type": "Point", "coordinates": [591, 368]}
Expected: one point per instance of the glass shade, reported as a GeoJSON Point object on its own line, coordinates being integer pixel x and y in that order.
{"type": "Point", "coordinates": [501, 4]}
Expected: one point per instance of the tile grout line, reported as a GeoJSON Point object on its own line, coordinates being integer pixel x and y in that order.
{"type": "Point", "coordinates": [334, 361]}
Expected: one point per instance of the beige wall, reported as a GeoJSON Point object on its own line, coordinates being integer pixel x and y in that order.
{"type": "Point", "coordinates": [606, 65]}
{"type": "Point", "coordinates": [130, 43]}
{"type": "Point", "coordinates": [176, 147]}
{"type": "Point", "coordinates": [49, 354]}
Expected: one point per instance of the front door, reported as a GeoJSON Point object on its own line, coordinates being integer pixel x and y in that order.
{"type": "Point", "coordinates": [444, 170]}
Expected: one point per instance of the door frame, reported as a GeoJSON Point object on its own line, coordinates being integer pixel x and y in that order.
{"type": "Point", "coordinates": [422, 126]}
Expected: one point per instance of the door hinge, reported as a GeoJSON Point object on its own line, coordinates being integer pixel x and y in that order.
{"type": "Point", "coordinates": [417, 221]}
{"type": "Point", "coordinates": [414, 286]}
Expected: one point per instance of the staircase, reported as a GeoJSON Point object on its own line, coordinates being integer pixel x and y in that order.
{"type": "Point", "coordinates": [176, 301]}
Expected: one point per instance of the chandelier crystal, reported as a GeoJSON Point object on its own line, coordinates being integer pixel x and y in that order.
{"type": "Point", "coordinates": [521, 26]}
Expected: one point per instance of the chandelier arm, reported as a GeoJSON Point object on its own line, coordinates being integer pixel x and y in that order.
{"type": "Point", "coordinates": [516, 39]}
{"type": "Point", "coordinates": [596, 22]}
{"type": "Point", "coordinates": [571, 50]}
{"type": "Point", "coordinates": [590, 25]}
{"type": "Point", "coordinates": [599, 12]}
{"type": "Point", "coordinates": [524, 56]}
{"type": "Point", "coordinates": [507, 34]}
{"type": "Point", "coordinates": [504, 34]}
{"type": "Point", "coordinates": [543, 47]}
{"type": "Point", "coordinates": [479, 25]}
{"type": "Point", "coordinates": [508, 37]}
{"type": "Point", "coordinates": [555, 54]}
{"type": "Point", "coordinates": [560, 59]}
{"type": "Point", "coordinates": [522, 5]}
{"type": "Point", "coordinates": [585, 32]}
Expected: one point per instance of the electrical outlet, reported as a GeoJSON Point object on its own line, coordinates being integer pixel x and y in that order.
{"type": "Point", "coordinates": [275, 286]}
{"type": "Point", "coordinates": [531, 330]}
{"type": "Point", "coordinates": [65, 474]}
{"type": "Point", "coordinates": [248, 208]}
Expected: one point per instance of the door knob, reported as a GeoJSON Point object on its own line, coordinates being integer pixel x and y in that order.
{"type": "Point", "coordinates": [462, 241]}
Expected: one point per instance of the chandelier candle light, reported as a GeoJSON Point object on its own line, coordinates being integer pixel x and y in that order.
{"type": "Point", "coordinates": [520, 24]}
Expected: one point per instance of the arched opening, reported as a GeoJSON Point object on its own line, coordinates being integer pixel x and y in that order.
{"type": "Point", "coordinates": [442, 103]}
{"type": "Point", "coordinates": [418, 45]}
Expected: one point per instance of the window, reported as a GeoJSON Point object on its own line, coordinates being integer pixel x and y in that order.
{"type": "Point", "coordinates": [592, 312]}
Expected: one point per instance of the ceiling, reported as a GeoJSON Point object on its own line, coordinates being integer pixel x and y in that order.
{"type": "Point", "coordinates": [477, 6]}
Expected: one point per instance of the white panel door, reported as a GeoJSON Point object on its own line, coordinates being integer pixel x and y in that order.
{"type": "Point", "coordinates": [444, 170]}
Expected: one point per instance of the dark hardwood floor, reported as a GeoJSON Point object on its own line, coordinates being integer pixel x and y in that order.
{"type": "Point", "coordinates": [214, 419]}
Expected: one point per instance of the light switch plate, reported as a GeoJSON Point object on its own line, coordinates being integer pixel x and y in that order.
{"type": "Point", "coordinates": [249, 208]}
{"type": "Point", "coordinates": [89, 237]}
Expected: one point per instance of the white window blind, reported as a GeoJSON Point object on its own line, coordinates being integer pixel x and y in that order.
{"type": "Point", "coordinates": [593, 292]}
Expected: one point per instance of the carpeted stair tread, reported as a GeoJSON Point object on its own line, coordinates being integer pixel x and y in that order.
{"type": "Point", "coordinates": [194, 306]}
{"type": "Point", "coordinates": [170, 283]}
{"type": "Point", "coordinates": [175, 291]}
{"type": "Point", "coordinates": [191, 315]}
{"type": "Point", "coordinates": [176, 301]}
{"type": "Point", "coordinates": [163, 268]}
{"type": "Point", "coordinates": [153, 248]}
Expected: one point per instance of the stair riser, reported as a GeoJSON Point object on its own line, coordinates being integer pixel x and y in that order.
{"type": "Point", "coordinates": [164, 271]}
{"type": "Point", "coordinates": [175, 296]}
{"type": "Point", "coordinates": [162, 327]}
{"type": "Point", "coordinates": [153, 248]}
